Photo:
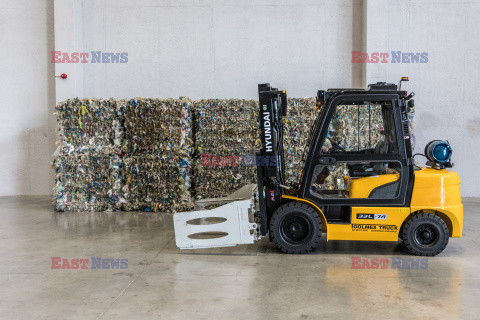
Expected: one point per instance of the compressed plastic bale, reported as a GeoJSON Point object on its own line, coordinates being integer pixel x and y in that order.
{"type": "Point", "coordinates": [88, 126]}
{"type": "Point", "coordinates": [157, 126]}
{"type": "Point", "coordinates": [86, 183]}
{"type": "Point", "coordinates": [154, 184]}
{"type": "Point", "coordinates": [157, 155]}
{"type": "Point", "coordinates": [224, 127]}
{"type": "Point", "coordinates": [229, 126]}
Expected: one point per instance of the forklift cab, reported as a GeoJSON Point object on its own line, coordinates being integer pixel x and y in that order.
{"type": "Point", "coordinates": [358, 153]}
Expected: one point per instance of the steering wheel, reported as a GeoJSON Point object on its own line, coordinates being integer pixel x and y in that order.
{"type": "Point", "coordinates": [336, 145]}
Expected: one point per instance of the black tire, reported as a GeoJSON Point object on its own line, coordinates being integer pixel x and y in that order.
{"type": "Point", "coordinates": [296, 228]}
{"type": "Point", "coordinates": [425, 234]}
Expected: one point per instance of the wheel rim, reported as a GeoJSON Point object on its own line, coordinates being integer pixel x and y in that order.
{"type": "Point", "coordinates": [295, 229]}
{"type": "Point", "coordinates": [426, 235]}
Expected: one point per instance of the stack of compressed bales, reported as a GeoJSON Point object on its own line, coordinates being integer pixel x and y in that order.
{"type": "Point", "coordinates": [86, 160]}
{"type": "Point", "coordinates": [156, 152]}
{"type": "Point", "coordinates": [139, 154]}
{"type": "Point", "coordinates": [301, 115]}
{"type": "Point", "coordinates": [226, 132]}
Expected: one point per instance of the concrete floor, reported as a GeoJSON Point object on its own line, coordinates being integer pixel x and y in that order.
{"type": "Point", "coordinates": [243, 282]}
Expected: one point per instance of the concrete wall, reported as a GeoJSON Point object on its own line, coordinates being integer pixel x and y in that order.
{"type": "Point", "coordinates": [27, 128]}
{"type": "Point", "coordinates": [208, 48]}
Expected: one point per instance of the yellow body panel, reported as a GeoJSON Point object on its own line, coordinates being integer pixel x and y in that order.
{"type": "Point", "coordinates": [439, 190]}
{"type": "Point", "coordinates": [363, 229]}
{"type": "Point", "coordinates": [362, 187]}
{"type": "Point", "coordinates": [436, 191]}
{"type": "Point", "coordinates": [384, 227]}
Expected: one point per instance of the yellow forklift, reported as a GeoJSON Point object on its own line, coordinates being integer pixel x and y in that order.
{"type": "Point", "coordinates": [358, 181]}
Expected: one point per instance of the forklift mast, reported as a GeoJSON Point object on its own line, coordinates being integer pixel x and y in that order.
{"type": "Point", "coordinates": [270, 159]}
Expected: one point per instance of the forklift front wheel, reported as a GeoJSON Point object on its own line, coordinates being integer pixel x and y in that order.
{"type": "Point", "coordinates": [425, 234]}
{"type": "Point", "coordinates": [296, 228]}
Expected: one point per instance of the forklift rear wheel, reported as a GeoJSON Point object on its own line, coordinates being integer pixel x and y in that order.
{"type": "Point", "coordinates": [295, 228]}
{"type": "Point", "coordinates": [425, 234]}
